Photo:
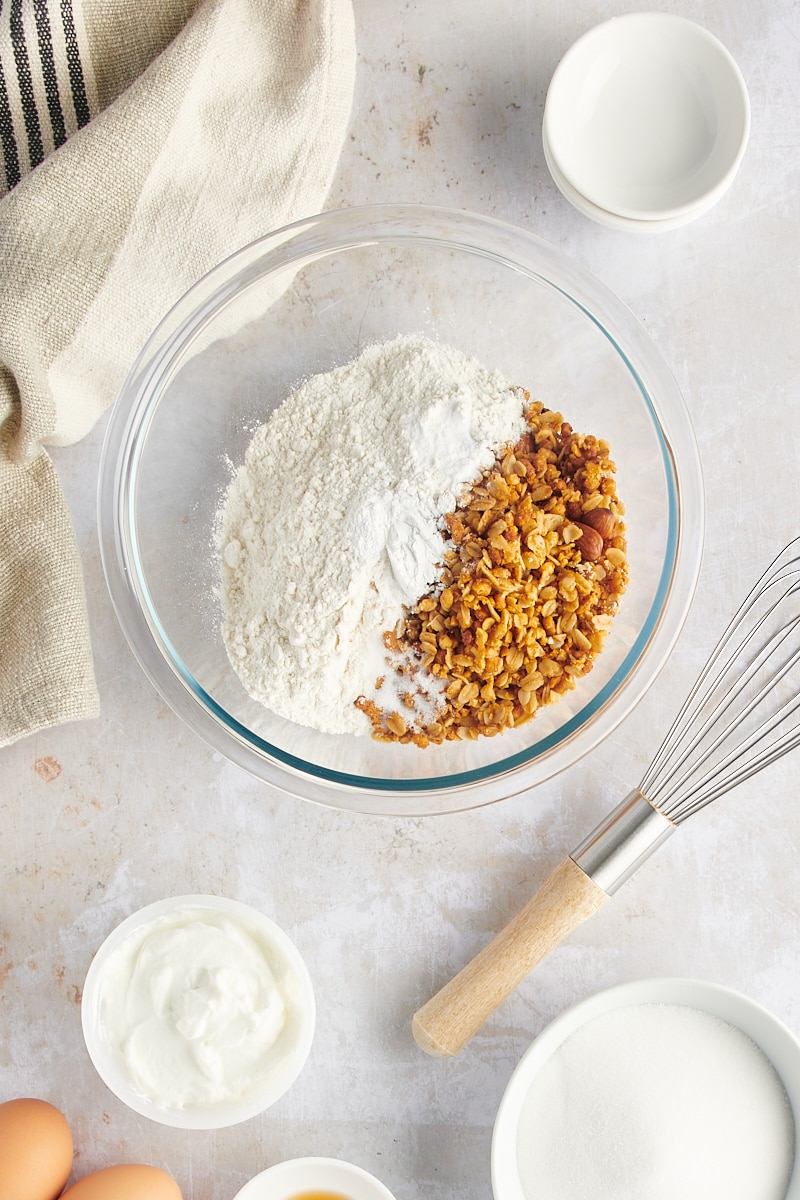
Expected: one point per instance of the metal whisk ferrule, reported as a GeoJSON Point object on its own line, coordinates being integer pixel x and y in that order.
{"type": "Point", "coordinates": [622, 842]}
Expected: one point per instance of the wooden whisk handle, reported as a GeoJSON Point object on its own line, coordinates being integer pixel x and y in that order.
{"type": "Point", "coordinates": [575, 890]}
{"type": "Point", "coordinates": [448, 1020]}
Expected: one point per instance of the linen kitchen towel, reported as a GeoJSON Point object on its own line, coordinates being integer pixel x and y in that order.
{"type": "Point", "coordinates": [139, 145]}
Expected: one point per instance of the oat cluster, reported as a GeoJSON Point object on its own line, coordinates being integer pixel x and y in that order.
{"type": "Point", "coordinates": [535, 566]}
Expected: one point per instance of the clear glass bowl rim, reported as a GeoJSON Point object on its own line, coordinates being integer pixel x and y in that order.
{"type": "Point", "coordinates": [331, 232]}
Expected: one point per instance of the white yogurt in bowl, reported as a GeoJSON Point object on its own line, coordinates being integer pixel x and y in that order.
{"type": "Point", "coordinates": [198, 1012]}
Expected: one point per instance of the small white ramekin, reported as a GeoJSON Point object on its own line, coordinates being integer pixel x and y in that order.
{"type": "Point", "coordinates": [109, 1064]}
{"type": "Point", "coordinates": [646, 121]}
{"type": "Point", "coordinates": [322, 1175]}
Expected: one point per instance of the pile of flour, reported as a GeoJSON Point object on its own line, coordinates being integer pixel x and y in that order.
{"type": "Point", "coordinates": [333, 523]}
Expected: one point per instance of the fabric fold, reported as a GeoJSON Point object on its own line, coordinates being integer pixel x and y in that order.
{"type": "Point", "coordinates": [232, 130]}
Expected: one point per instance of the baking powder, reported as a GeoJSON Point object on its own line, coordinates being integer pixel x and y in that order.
{"type": "Point", "coordinates": [333, 523]}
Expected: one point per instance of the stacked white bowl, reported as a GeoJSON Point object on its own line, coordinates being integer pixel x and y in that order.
{"type": "Point", "coordinates": [646, 122]}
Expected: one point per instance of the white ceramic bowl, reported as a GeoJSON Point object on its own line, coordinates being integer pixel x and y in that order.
{"type": "Point", "coordinates": [647, 116]}
{"type": "Point", "coordinates": [291, 1050]}
{"type": "Point", "coordinates": [614, 220]}
{"type": "Point", "coordinates": [776, 1042]}
{"type": "Point", "coordinates": [319, 1175]}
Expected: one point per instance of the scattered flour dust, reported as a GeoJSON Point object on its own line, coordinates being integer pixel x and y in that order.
{"type": "Point", "coordinates": [333, 523]}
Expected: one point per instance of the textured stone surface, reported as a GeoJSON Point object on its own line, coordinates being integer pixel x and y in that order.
{"type": "Point", "coordinates": [101, 818]}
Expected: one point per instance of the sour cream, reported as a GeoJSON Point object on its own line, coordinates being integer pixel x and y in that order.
{"type": "Point", "coordinates": [200, 1006]}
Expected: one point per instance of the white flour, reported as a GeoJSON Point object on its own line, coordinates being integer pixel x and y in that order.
{"type": "Point", "coordinates": [333, 522]}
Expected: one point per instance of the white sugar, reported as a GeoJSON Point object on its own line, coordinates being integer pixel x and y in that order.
{"type": "Point", "coordinates": [656, 1102]}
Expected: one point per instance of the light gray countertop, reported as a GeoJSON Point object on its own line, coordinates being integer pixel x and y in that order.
{"type": "Point", "coordinates": [103, 817]}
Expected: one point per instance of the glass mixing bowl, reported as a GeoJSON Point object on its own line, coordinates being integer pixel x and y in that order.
{"type": "Point", "coordinates": [304, 300]}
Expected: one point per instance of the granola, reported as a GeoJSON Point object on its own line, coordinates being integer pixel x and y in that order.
{"type": "Point", "coordinates": [533, 568]}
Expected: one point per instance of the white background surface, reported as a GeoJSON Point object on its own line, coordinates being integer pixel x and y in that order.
{"type": "Point", "coordinates": [101, 818]}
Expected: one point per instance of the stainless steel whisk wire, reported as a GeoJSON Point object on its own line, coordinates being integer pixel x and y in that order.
{"type": "Point", "coordinates": [740, 715]}
{"type": "Point", "coordinates": [741, 675]}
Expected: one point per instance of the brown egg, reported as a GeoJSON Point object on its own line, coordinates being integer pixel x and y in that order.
{"type": "Point", "coordinates": [129, 1182]}
{"type": "Point", "coordinates": [35, 1150]}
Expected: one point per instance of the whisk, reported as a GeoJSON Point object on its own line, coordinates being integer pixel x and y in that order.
{"type": "Point", "coordinates": [742, 714]}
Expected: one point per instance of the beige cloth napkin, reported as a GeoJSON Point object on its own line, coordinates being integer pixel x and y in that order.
{"type": "Point", "coordinates": [142, 143]}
